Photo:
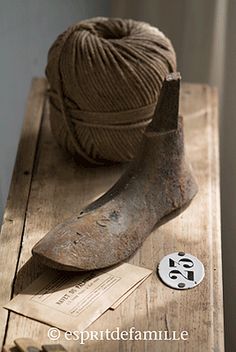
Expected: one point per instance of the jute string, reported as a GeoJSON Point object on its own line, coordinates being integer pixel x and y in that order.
{"type": "Point", "coordinates": [105, 77]}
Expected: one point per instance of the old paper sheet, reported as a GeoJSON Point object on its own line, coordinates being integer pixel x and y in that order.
{"type": "Point", "coordinates": [127, 294]}
{"type": "Point", "coordinates": [72, 301]}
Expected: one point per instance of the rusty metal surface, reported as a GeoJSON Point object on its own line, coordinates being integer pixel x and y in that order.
{"type": "Point", "coordinates": [156, 187]}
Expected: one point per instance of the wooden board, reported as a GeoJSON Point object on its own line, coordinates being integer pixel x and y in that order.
{"type": "Point", "coordinates": [47, 187]}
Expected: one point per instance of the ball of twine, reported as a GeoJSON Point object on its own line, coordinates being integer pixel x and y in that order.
{"type": "Point", "coordinates": [105, 77]}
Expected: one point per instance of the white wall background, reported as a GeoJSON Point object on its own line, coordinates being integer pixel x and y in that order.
{"type": "Point", "coordinates": [204, 35]}
{"type": "Point", "coordinates": [27, 29]}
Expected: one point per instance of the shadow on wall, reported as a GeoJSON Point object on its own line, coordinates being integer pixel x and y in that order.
{"type": "Point", "coordinates": [185, 23]}
{"type": "Point", "coordinates": [27, 29]}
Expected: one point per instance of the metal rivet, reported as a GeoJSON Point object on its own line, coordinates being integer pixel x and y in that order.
{"type": "Point", "coordinates": [181, 285]}
{"type": "Point", "coordinates": [181, 254]}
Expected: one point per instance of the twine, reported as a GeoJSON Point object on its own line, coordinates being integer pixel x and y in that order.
{"type": "Point", "coordinates": [105, 78]}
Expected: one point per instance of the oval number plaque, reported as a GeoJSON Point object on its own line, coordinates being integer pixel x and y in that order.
{"type": "Point", "coordinates": [181, 270]}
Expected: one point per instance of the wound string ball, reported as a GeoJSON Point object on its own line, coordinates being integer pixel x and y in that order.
{"type": "Point", "coordinates": [105, 77]}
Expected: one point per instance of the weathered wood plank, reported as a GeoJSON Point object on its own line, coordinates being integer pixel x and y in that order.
{"type": "Point", "coordinates": [16, 208]}
{"type": "Point", "coordinates": [218, 312]}
{"type": "Point", "coordinates": [60, 187]}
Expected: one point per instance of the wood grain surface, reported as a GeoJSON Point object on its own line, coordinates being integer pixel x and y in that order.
{"type": "Point", "coordinates": [48, 186]}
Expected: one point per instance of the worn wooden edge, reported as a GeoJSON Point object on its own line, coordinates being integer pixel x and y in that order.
{"type": "Point", "coordinates": [212, 112]}
{"type": "Point", "coordinates": [217, 292]}
{"type": "Point", "coordinates": [12, 229]}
